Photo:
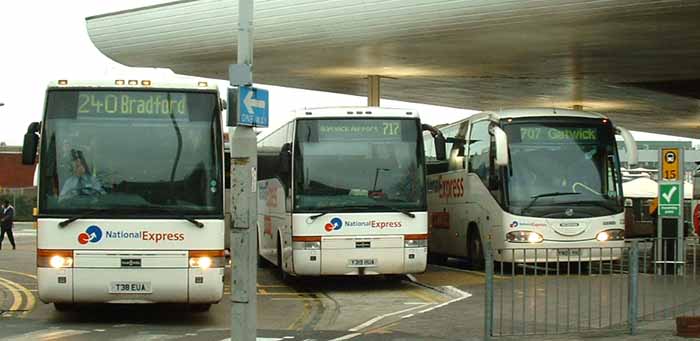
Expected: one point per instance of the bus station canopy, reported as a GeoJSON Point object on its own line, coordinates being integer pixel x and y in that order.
{"type": "Point", "coordinates": [636, 60]}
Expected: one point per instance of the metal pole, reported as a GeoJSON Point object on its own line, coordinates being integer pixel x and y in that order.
{"type": "Point", "coordinates": [243, 202]}
{"type": "Point", "coordinates": [488, 313]}
{"type": "Point", "coordinates": [633, 287]}
{"type": "Point", "coordinates": [373, 94]}
{"type": "Point", "coordinates": [680, 232]}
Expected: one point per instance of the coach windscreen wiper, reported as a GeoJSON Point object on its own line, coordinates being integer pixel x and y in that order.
{"type": "Point", "coordinates": [316, 216]}
{"type": "Point", "coordinates": [81, 216]}
{"type": "Point", "coordinates": [553, 194]}
{"type": "Point", "coordinates": [174, 212]}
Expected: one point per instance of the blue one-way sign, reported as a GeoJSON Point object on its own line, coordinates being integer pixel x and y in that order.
{"type": "Point", "coordinates": [252, 106]}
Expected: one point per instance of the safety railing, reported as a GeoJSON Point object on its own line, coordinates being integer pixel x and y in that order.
{"type": "Point", "coordinates": [552, 291]}
{"type": "Point", "coordinates": [668, 278]}
{"type": "Point", "coordinates": [541, 291]}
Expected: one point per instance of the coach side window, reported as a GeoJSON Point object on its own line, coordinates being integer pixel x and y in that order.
{"type": "Point", "coordinates": [268, 153]}
{"type": "Point", "coordinates": [479, 151]}
{"type": "Point", "coordinates": [429, 147]}
{"type": "Point", "coordinates": [448, 132]}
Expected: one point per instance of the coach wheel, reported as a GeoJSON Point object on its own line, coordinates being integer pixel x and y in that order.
{"type": "Point", "coordinates": [435, 258]}
{"type": "Point", "coordinates": [262, 262]}
{"type": "Point", "coordinates": [475, 249]}
{"type": "Point", "coordinates": [199, 308]}
{"type": "Point", "coordinates": [63, 307]}
{"type": "Point", "coordinates": [284, 276]}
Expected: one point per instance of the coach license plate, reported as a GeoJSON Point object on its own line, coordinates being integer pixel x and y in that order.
{"type": "Point", "coordinates": [130, 288]}
{"type": "Point", "coordinates": [362, 263]}
{"type": "Point", "coordinates": [569, 253]}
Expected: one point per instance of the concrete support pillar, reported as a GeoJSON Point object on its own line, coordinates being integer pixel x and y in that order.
{"type": "Point", "coordinates": [373, 93]}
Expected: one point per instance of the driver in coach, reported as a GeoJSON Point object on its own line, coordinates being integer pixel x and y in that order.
{"type": "Point", "coordinates": [81, 182]}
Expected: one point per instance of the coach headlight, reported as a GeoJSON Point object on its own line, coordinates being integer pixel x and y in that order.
{"type": "Point", "coordinates": [54, 258]}
{"type": "Point", "coordinates": [415, 240]}
{"type": "Point", "coordinates": [609, 235]}
{"type": "Point", "coordinates": [306, 242]}
{"type": "Point", "coordinates": [524, 237]}
{"type": "Point", "coordinates": [61, 262]}
{"type": "Point", "coordinates": [200, 262]}
{"type": "Point", "coordinates": [207, 259]}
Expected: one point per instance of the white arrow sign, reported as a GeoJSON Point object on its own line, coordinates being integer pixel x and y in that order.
{"type": "Point", "coordinates": [669, 195]}
{"type": "Point", "coordinates": [251, 103]}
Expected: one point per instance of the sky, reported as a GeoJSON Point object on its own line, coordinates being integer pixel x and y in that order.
{"type": "Point", "coordinates": [41, 41]}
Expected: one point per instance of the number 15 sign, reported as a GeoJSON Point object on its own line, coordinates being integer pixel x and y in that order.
{"type": "Point", "coordinates": [670, 164]}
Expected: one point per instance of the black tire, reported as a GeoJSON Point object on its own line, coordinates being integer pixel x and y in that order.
{"type": "Point", "coordinates": [284, 276]}
{"type": "Point", "coordinates": [64, 307]}
{"type": "Point", "coordinates": [435, 258]}
{"type": "Point", "coordinates": [262, 262]}
{"type": "Point", "coordinates": [394, 278]}
{"type": "Point", "coordinates": [475, 249]}
{"type": "Point", "coordinates": [199, 308]}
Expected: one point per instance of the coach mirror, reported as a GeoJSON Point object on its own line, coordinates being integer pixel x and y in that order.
{"type": "Point", "coordinates": [501, 146]}
{"type": "Point", "coordinates": [31, 143]}
{"type": "Point", "coordinates": [440, 152]}
{"type": "Point", "coordinates": [285, 159]}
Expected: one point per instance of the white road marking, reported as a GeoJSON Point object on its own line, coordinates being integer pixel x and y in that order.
{"type": "Point", "coordinates": [267, 338]}
{"type": "Point", "coordinates": [463, 295]}
{"type": "Point", "coordinates": [47, 334]}
{"type": "Point", "coordinates": [24, 233]}
{"type": "Point", "coordinates": [346, 337]}
{"type": "Point", "coordinates": [380, 317]}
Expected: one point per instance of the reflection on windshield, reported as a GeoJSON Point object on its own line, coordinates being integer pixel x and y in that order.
{"type": "Point", "coordinates": [93, 163]}
{"type": "Point", "coordinates": [361, 166]}
{"type": "Point", "coordinates": [556, 158]}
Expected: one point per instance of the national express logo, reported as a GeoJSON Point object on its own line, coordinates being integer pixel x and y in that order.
{"type": "Point", "coordinates": [335, 224]}
{"type": "Point", "coordinates": [93, 234]}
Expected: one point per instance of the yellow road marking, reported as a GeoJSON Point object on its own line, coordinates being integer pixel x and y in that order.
{"type": "Point", "coordinates": [298, 324]}
{"type": "Point", "coordinates": [422, 296]}
{"type": "Point", "coordinates": [262, 291]}
{"type": "Point", "coordinates": [16, 295]}
{"type": "Point", "coordinates": [383, 329]}
{"type": "Point", "coordinates": [472, 272]}
{"type": "Point", "coordinates": [31, 301]}
{"type": "Point", "coordinates": [18, 273]}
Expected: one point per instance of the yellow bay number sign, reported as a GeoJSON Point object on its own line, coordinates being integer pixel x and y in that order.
{"type": "Point", "coordinates": [670, 164]}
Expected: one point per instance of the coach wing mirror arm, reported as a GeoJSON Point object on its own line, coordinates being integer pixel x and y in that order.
{"type": "Point", "coordinates": [285, 158]}
{"type": "Point", "coordinates": [31, 144]}
{"type": "Point", "coordinates": [440, 150]}
{"type": "Point", "coordinates": [501, 146]}
{"type": "Point", "coordinates": [630, 146]}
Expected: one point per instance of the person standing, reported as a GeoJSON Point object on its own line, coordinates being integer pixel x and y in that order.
{"type": "Point", "coordinates": [7, 215]}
